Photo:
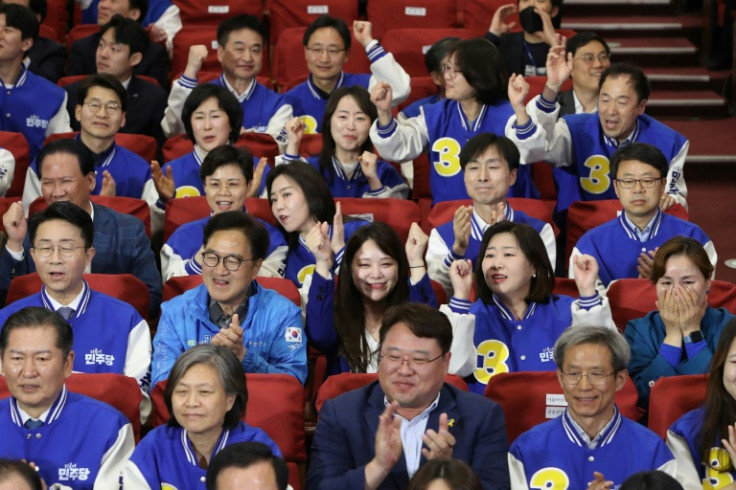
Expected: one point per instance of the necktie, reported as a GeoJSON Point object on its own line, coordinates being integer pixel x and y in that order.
{"type": "Point", "coordinates": [66, 312]}
{"type": "Point", "coordinates": [33, 424]}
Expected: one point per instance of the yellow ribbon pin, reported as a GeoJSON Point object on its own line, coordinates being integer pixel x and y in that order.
{"type": "Point", "coordinates": [451, 422]}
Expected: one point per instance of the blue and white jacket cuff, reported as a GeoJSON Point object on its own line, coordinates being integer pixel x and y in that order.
{"type": "Point", "coordinates": [588, 302]}
{"type": "Point", "coordinates": [460, 305]}
{"type": "Point", "coordinates": [187, 82]}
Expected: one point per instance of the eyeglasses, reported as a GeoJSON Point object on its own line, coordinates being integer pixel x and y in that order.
{"type": "Point", "coordinates": [316, 51]}
{"type": "Point", "coordinates": [95, 106]}
{"type": "Point", "coordinates": [216, 186]}
{"type": "Point", "coordinates": [211, 259]}
{"type": "Point", "coordinates": [413, 362]}
{"type": "Point", "coordinates": [646, 182]}
{"type": "Point", "coordinates": [589, 58]}
{"type": "Point", "coordinates": [596, 379]}
{"type": "Point", "coordinates": [66, 250]}
{"type": "Point", "coordinates": [450, 71]}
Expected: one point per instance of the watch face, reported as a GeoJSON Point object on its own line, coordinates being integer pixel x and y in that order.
{"type": "Point", "coordinates": [696, 336]}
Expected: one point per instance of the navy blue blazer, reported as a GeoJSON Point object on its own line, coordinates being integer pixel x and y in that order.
{"type": "Point", "coordinates": [344, 441]}
{"type": "Point", "coordinates": [121, 246]}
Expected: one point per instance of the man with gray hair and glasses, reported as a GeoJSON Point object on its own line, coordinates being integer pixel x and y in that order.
{"type": "Point", "coordinates": [591, 445]}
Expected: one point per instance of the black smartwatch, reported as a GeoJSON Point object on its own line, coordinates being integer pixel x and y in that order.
{"type": "Point", "coordinates": [695, 336]}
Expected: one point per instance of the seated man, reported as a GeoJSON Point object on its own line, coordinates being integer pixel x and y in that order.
{"type": "Point", "coordinates": [227, 174]}
{"type": "Point", "coordinates": [121, 49]}
{"type": "Point", "coordinates": [372, 437]}
{"type": "Point", "coordinates": [110, 335]}
{"type": "Point", "coordinates": [260, 326]}
{"type": "Point", "coordinates": [73, 440]}
{"type": "Point", "coordinates": [489, 164]}
{"type": "Point", "coordinates": [625, 246]}
{"type": "Point", "coordinates": [46, 58]}
{"type": "Point", "coordinates": [67, 173]}
{"type": "Point", "coordinates": [155, 61]}
{"type": "Point", "coordinates": [240, 52]}
{"type": "Point", "coordinates": [327, 47]}
{"type": "Point", "coordinates": [101, 111]}
{"type": "Point", "coordinates": [586, 142]}
{"type": "Point", "coordinates": [525, 52]}
{"type": "Point", "coordinates": [247, 465]}
{"type": "Point", "coordinates": [591, 56]}
{"type": "Point", "coordinates": [591, 441]}
{"type": "Point", "coordinates": [31, 105]}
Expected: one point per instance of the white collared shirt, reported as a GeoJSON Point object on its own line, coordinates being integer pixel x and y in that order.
{"type": "Point", "coordinates": [411, 436]}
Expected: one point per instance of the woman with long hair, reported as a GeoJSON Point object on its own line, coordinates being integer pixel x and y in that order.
{"type": "Point", "coordinates": [347, 161]}
{"type": "Point", "coordinates": [517, 318]}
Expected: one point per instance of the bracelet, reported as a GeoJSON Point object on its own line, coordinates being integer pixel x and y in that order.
{"type": "Point", "coordinates": [417, 266]}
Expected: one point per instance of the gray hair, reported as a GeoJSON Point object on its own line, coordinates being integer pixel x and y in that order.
{"type": "Point", "coordinates": [616, 343]}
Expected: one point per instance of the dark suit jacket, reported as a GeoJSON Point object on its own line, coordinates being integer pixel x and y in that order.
{"type": "Point", "coordinates": [344, 441]}
{"type": "Point", "coordinates": [48, 59]}
{"type": "Point", "coordinates": [82, 60]}
{"type": "Point", "coordinates": [567, 103]}
{"type": "Point", "coordinates": [145, 109]}
{"type": "Point", "coordinates": [121, 246]}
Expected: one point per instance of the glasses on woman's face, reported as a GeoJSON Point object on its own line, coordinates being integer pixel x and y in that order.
{"type": "Point", "coordinates": [450, 71]}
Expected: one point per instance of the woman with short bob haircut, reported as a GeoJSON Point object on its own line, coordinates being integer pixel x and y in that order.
{"type": "Point", "coordinates": [517, 317]}
{"type": "Point", "coordinates": [680, 336]}
{"type": "Point", "coordinates": [347, 162]}
{"type": "Point", "coordinates": [300, 200]}
{"type": "Point", "coordinates": [445, 474]}
{"type": "Point", "coordinates": [378, 272]}
{"type": "Point", "coordinates": [476, 102]}
{"type": "Point", "coordinates": [206, 396]}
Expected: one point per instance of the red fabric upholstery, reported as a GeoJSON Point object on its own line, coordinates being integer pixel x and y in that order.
{"type": "Point", "coordinates": [141, 144]}
{"type": "Point", "coordinates": [49, 33]}
{"type": "Point", "coordinates": [190, 35]}
{"type": "Point", "coordinates": [122, 392]}
{"type": "Point", "coordinates": [310, 145]}
{"type": "Point", "coordinates": [423, 14]}
{"type": "Point", "coordinates": [399, 214]}
{"type": "Point", "coordinates": [125, 287]}
{"type": "Point", "coordinates": [261, 145]}
{"type": "Point", "coordinates": [477, 15]}
{"type": "Point", "coordinates": [524, 396]}
{"type": "Point", "coordinates": [57, 19]}
{"type": "Point", "coordinates": [187, 209]}
{"type": "Point", "coordinates": [566, 286]}
{"type": "Point", "coordinates": [408, 45]}
{"type": "Point", "coordinates": [79, 32]}
{"type": "Point", "coordinates": [212, 13]}
{"type": "Point", "coordinates": [421, 86]}
{"type": "Point", "coordinates": [286, 14]}
{"type": "Point", "coordinates": [16, 144]}
{"type": "Point", "coordinates": [178, 285]}
{"type": "Point", "coordinates": [673, 396]}
{"type": "Point", "coordinates": [585, 215]}
{"type": "Point", "coordinates": [64, 81]}
{"type": "Point", "coordinates": [338, 384]}
{"type": "Point", "coordinates": [536, 86]}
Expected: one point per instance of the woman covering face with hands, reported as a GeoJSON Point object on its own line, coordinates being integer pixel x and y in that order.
{"type": "Point", "coordinates": [517, 318]}
{"type": "Point", "coordinates": [347, 161]}
{"type": "Point", "coordinates": [681, 335]}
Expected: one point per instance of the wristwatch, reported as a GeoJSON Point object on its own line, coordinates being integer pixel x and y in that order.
{"type": "Point", "coordinates": [695, 336]}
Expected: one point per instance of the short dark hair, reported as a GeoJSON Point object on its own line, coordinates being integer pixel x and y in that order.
{"type": "Point", "coordinates": [244, 455]}
{"type": "Point", "coordinates": [434, 55]}
{"type": "Point", "coordinates": [326, 21]}
{"type": "Point", "coordinates": [21, 18]}
{"type": "Point", "coordinates": [637, 77]}
{"type": "Point", "coordinates": [457, 474]}
{"type": "Point", "coordinates": [555, 3]}
{"type": "Point", "coordinates": [651, 480]}
{"type": "Point", "coordinates": [104, 80]}
{"type": "Point", "coordinates": [479, 143]}
{"type": "Point", "coordinates": [643, 152]}
{"type": "Point", "coordinates": [10, 468]}
{"type": "Point", "coordinates": [142, 6]}
{"type": "Point", "coordinates": [36, 317]}
{"type": "Point", "coordinates": [227, 155]}
{"type": "Point", "coordinates": [39, 7]}
{"type": "Point", "coordinates": [64, 211]}
{"type": "Point", "coordinates": [236, 23]}
{"type": "Point", "coordinates": [128, 32]}
{"type": "Point", "coordinates": [249, 226]}
{"type": "Point", "coordinates": [229, 369]}
{"type": "Point", "coordinates": [532, 246]}
{"type": "Point", "coordinates": [225, 100]}
{"type": "Point", "coordinates": [424, 322]}
{"type": "Point", "coordinates": [483, 67]}
{"type": "Point", "coordinates": [583, 39]}
{"type": "Point", "coordinates": [69, 146]}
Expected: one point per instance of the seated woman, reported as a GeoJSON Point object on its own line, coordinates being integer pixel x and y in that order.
{"type": "Point", "coordinates": [704, 440]}
{"type": "Point", "coordinates": [226, 174]}
{"type": "Point", "coordinates": [346, 328]}
{"type": "Point", "coordinates": [300, 199]}
{"type": "Point", "coordinates": [517, 318]}
{"type": "Point", "coordinates": [346, 162]}
{"type": "Point", "coordinates": [206, 396]}
{"type": "Point", "coordinates": [681, 335]}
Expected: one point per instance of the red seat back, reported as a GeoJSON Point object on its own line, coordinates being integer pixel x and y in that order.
{"type": "Point", "coordinates": [566, 286]}
{"type": "Point", "coordinates": [422, 14]}
{"type": "Point", "coordinates": [212, 13]}
{"type": "Point", "coordinates": [421, 86]}
{"type": "Point", "coordinates": [443, 212]}
{"type": "Point", "coordinates": [529, 398]}
{"type": "Point", "coordinates": [141, 144]}
{"type": "Point", "coordinates": [477, 15]}
{"type": "Point", "coordinates": [338, 384]}
{"type": "Point", "coordinates": [409, 45]}
{"type": "Point", "coordinates": [536, 86]}
{"type": "Point", "coordinates": [672, 397]}
{"type": "Point", "coordinates": [16, 144]}
{"type": "Point", "coordinates": [310, 145]}
{"type": "Point", "coordinates": [122, 392]}
{"type": "Point", "coordinates": [286, 14]}
{"type": "Point", "coordinates": [80, 32]}
{"type": "Point", "coordinates": [399, 214]}
{"type": "Point", "coordinates": [190, 35]}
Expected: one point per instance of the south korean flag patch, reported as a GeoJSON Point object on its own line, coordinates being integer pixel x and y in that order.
{"type": "Point", "coordinates": [294, 334]}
